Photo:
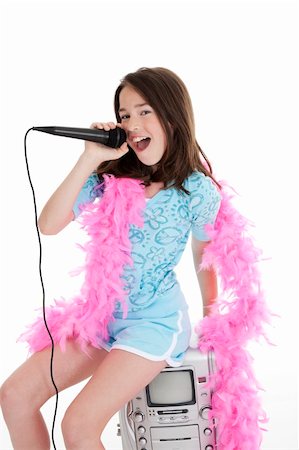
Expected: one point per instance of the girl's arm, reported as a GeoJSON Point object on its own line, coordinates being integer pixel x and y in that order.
{"type": "Point", "coordinates": [58, 211]}
{"type": "Point", "coordinates": [207, 278]}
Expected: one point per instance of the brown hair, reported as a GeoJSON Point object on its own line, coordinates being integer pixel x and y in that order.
{"type": "Point", "coordinates": [166, 93]}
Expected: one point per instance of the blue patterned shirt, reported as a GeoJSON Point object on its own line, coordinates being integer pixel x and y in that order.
{"type": "Point", "coordinates": [169, 217]}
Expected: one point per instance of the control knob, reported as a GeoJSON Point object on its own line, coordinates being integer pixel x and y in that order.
{"type": "Point", "coordinates": [138, 416]}
{"type": "Point", "coordinates": [142, 441]}
{"type": "Point", "coordinates": [204, 413]}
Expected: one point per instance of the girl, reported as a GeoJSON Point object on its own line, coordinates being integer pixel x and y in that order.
{"type": "Point", "coordinates": [131, 319]}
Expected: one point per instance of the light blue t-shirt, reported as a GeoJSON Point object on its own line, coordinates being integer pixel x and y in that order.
{"type": "Point", "coordinates": [169, 217]}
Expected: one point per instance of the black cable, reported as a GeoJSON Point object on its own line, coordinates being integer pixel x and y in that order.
{"type": "Point", "coordinates": [43, 289]}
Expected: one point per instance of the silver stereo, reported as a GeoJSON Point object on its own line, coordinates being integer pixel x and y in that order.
{"type": "Point", "coordinates": [171, 413]}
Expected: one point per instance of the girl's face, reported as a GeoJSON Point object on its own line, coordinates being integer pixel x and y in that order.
{"type": "Point", "coordinates": [145, 134]}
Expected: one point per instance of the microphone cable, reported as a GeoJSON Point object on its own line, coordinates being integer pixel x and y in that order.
{"type": "Point", "coordinates": [43, 290]}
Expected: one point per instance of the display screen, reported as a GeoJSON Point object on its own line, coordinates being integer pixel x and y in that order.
{"type": "Point", "coordinates": [171, 388]}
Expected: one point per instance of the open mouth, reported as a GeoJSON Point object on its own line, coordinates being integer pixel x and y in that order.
{"type": "Point", "coordinates": [141, 143]}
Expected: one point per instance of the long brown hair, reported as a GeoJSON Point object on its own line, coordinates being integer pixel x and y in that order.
{"type": "Point", "coordinates": [166, 93]}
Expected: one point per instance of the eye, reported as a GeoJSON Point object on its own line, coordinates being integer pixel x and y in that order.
{"type": "Point", "coordinates": [124, 117]}
{"type": "Point", "coordinates": [145, 112]}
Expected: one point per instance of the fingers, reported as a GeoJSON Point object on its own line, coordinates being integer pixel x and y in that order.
{"type": "Point", "coordinates": [122, 150]}
{"type": "Point", "coordinates": [118, 152]}
{"type": "Point", "coordinates": [124, 147]}
{"type": "Point", "coordinates": [103, 125]}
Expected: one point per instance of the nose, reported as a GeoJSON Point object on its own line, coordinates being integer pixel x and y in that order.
{"type": "Point", "coordinates": [133, 124]}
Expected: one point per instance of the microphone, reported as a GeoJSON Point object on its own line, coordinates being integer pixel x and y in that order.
{"type": "Point", "coordinates": [112, 138]}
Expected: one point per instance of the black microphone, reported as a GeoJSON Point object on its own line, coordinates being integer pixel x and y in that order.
{"type": "Point", "coordinates": [112, 138]}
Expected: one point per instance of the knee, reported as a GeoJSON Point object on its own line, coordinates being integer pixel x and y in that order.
{"type": "Point", "coordinates": [80, 431]}
{"type": "Point", "coordinates": [11, 396]}
{"type": "Point", "coordinates": [19, 396]}
{"type": "Point", "coordinates": [72, 427]}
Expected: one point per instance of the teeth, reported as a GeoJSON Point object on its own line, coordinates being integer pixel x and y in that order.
{"type": "Point", "coordinates": [138, 139]}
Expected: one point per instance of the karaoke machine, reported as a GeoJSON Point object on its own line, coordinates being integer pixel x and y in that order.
{"type": "Point", "coordinates": [171, 413]}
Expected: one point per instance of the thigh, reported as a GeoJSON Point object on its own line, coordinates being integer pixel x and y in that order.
{"type": "Point", "coordinates": [70, 367]}
{"type": "Point", "coordinates": [119, 377]}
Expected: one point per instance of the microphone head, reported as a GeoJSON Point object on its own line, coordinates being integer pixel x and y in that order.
{"type": "Point", "coordinates": [117, 137]}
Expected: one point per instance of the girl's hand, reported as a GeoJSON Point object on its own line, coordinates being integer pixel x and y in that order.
{"type": "Point", "coordinates": [98, 153]}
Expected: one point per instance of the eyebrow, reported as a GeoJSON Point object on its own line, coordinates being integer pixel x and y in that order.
{"type": "Point", "coordinates": [135, 106]}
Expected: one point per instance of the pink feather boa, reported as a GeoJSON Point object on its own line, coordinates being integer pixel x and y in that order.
{"type": "Point", "coordinates": [86, 317]}
{"type": "Point", "coordinates": [237, 316]}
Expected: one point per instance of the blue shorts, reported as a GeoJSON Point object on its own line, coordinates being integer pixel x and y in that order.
{"type": "Point", "coordinates": [164, 338]}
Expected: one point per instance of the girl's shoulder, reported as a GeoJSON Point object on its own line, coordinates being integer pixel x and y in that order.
{"type": "Point", "coordinates": [199, 181]}
{"type": "Point", "coordinates": [93, 180]}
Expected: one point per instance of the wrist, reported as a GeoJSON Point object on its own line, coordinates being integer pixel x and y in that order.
{"type": "Point", "coordinates": [207, 309]}
{"type": "Point", "coordinates": [88, 162]}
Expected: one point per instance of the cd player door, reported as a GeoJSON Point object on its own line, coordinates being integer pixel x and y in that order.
{"type": "Point", "coordinates": [175, 438]}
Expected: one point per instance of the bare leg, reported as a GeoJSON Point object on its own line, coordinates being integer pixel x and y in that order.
{"type": "Point", "coordinates": [30, 386]}
{"type": "Point", "coordinates": [119, 377]}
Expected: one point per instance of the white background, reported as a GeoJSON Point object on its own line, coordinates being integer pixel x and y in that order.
{"type": "Point", "coordinates": [61, 62]}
